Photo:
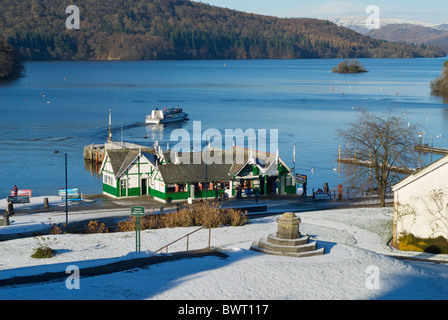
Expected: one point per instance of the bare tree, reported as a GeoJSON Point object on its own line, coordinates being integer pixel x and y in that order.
{"type": "Point", "coordinates": [378, 151]}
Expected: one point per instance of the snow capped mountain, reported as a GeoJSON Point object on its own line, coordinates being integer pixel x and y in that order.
{"type": "Point", "coordinates": [358, 24]}
{"type": "Point", "coordinates": [399, 30]}
{"type": "Point", "coordinates": [443, 27]}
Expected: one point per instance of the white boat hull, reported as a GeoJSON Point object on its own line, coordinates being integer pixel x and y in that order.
{"type": "Point", "coordinates": [158, 120]}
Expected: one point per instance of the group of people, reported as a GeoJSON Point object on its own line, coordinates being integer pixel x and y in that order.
{"type": "Point", "coordinates": [255, 192]}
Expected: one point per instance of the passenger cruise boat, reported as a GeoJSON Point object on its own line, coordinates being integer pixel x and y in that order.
{"type": "Point", "coordinates": [166, 115]}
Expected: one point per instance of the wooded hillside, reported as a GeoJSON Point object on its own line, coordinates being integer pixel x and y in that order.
{"type": "Point", "coordinates": [10, 62]}
{"type": "Point", "coordinates": [180, 29]}
{"type": "Point", "coordinates": [440, 85]}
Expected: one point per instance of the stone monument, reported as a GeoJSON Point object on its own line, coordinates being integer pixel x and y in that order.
{"type": "Point", "coordinates": [288, 241]}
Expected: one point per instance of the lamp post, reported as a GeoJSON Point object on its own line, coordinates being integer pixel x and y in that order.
{"type": "Point", "coordinates": [66, 187]}
{"type": "Point", "coordinates": [206, 163]}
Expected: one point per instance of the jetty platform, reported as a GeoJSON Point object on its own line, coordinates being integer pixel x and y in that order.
{"type": "Point", "coordinates": [429, 149]}
{"type": "Point", "coordinates": [364, 163]}
{"type": "Point", "coordinates": [95, 153]}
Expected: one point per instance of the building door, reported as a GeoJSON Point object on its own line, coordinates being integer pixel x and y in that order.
{"type": "Point", "coordinates": [123, 187]}
{"type": "Point", "coordinates": [281, 185]}
{"type": "Point", "coordinates": [144, 186]}
{"type": "Point", "coordinates": [271, 185]}
{"type": "Point", "coordinates": [262, 185]}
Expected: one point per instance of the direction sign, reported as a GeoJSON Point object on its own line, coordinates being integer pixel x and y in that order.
{"type": "Point", "coordinates": [138, 211]}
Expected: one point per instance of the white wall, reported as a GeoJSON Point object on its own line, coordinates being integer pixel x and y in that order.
{"type": "Point", "coordinates": [108, 178]}
{"type": "Point", "coordinates": [420, 207]}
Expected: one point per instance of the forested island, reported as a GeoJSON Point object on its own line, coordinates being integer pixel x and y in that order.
{"type": "Point", "coordinates": [440, 85]}
{"type": "Point", "coordinates": [349, 66]}
{"type": "Point", "coordinates": [10, 62]}
{"type": "Point", "coordinates": [181, 29]}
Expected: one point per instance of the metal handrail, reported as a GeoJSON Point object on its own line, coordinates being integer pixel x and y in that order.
{"type": "Point", "coordinates": [187, 236]}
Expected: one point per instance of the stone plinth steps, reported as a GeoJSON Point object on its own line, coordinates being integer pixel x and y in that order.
{"type": "Point", "coordinates": [287, 241]}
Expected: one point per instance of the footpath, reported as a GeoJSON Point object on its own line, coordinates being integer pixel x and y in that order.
{"type": "Point", "coordinates": [33, 219]}
{"type": "Point", "coordinates": [112, 267]}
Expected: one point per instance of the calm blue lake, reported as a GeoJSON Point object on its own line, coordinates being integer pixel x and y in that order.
{"type": "Point", "coordinates": [65, 106]}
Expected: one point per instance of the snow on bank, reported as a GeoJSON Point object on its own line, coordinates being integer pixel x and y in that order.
{"type": "Point", "coordinates": [355, 240]}
{"type": "Point", "coordinates": [37, 201]}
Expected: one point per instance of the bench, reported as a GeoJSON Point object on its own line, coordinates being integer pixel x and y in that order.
{"type": "Point", "coordinates": [371, 191]}
{"type": "Point", "coordinates": [19, 199]}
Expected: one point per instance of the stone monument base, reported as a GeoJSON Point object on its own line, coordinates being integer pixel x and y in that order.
{"type": "Point", "coordinates": [287, 241]}
{"type": "Point", "coordinates": [300, 247]}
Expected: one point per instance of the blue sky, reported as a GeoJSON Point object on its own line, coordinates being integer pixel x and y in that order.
{"type": "Point", "coordinates": [430, 11]}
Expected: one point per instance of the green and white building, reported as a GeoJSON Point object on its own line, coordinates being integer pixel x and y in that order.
{"type": "Point", "coordinates": [130, 171]}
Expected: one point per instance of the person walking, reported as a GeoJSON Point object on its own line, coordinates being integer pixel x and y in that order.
{"type": "Point", "coordinates": [10, 209]}
{"type": "Point", "coordinates": [256, 194]}
{"type": "Point", "coordinates": [216, 192]}
{"type": "Point", "coordinates": [326, 188]}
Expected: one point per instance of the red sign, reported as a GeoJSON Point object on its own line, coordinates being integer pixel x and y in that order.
{"type": "Point", "coordinates": [26, 192]}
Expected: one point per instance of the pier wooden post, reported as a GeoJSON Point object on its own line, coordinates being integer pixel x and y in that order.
{"type": "Point", "coordinates": [339, 162]}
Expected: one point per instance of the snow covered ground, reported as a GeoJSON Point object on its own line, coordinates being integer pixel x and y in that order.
{"type": "Point", "coordinates": [356, 264]}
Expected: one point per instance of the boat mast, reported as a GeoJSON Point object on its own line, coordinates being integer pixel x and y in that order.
{"type": "Point", "coordinates": [110, 124]}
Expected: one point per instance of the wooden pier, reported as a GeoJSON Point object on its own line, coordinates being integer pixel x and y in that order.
{"type": "Point", "coordinates": [363, 163]}
{"type": "Point", "coordinates": [428, 149]}
{"type": "Point", "coordinates": [94, 153]}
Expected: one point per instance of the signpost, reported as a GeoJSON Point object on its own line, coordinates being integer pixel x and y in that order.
{"type": "Point", "coordinates": [138, 213]}
{"type": "Point", "coordinates": [24, 192]}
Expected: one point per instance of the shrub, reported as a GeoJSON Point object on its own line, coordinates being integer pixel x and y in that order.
{"type": "Point", "coordinates": [409, 247]}
{"type": "Point", "coordinates": [409, 242]}
{"type": "Point", "coordinates": [55, 229]}
{"type": "Point", "coordinates": [43, 250]}
{"type": "Point", "coordinates": [127, 225]}
{"type": "Point", "coordinates": [95, 227]}
{"type": "Point", "coordinates": [43, 253]}
{"type": "Point", "coordinates": [208, 214]}
{"type": "Point", "coordinates": [237, 218]}
{"type": "Point", "coordinates": [147, 222]}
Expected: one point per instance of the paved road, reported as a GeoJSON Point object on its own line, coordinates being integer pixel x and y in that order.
{"type": "Point", "coordinates": [108, 211]}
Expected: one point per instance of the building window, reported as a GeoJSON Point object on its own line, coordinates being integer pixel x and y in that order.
{"type": "Point", "coordinates": [175, 188]}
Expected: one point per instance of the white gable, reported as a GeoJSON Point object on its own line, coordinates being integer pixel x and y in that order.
{"type": "Point", "coordinates": [420, 202]}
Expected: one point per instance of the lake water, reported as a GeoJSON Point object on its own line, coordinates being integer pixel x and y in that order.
{"type": "Point", "coordinates": [65, 106]}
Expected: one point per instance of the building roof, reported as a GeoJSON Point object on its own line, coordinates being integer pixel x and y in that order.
{"type": "Point", "coordinates": [222, 165]}
{"type": "Point", "coordinates": [121, 159]}
{"type": "Point", "coordinates": [191, 167]}
{"type": "Point", "coordinates": [265, 161]}
{"type": "Point", "coordinates": [183, 173]}
{"type": "Point", "coordinates": [424, 171]}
